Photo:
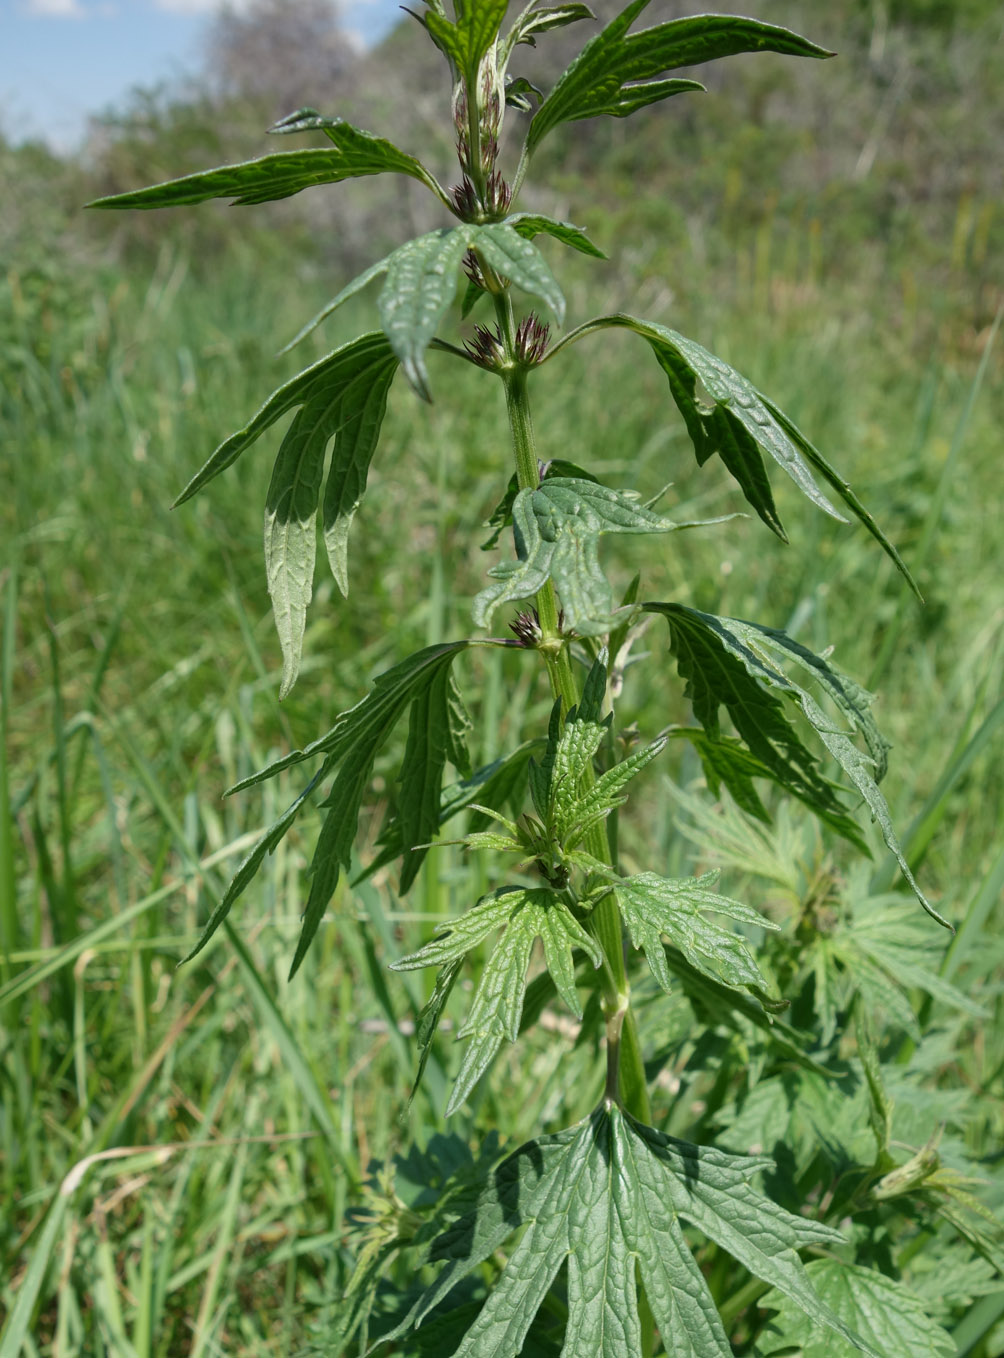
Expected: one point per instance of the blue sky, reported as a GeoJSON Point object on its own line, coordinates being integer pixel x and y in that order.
{"type": "Point", "coordinates": [63, 59]}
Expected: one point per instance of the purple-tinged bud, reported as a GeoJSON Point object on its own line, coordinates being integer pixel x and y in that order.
{"type": "Point", "coordinates": [531, 340]}
{"type": "Point", "coordinates": [465, 199]}
{"type": "Point", "coordinates": [486, 348]}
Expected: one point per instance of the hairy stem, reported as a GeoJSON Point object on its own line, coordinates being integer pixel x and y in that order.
{"type": "Point", "coordinates": [625, 1070]}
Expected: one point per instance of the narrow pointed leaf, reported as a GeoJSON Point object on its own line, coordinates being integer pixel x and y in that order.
{"type": "Point", "coordinates": [421, 284]}
{"type": "Point", "coordinates": [496, 785]}
{"type": "Point", "coordinates": [436, 733]}
{"type": "Point", "coordinates": [428, 1019]}
{"type": "Point", "coordinates": [534, 21]}
{"type": "Point", "coordinates": [557, 528]}
{"type": "Point", "coordinates": [362, 406]}
{"type": "Point", "coordinates": [727, 762]}
{"type": "Point", "coordinates": [604, 795]}
{"type": "Point", "coordinates": [290, 532]}
{"type": "Point", "coordinates": [355, 154]}
{"type": "Point", "coordinates": [758, 650]}
{"type": "Point", "coordinates": [371, 720]}
{"type": "Point", "coordinates": [604, 75]}
{"type": "Point", "coordinates": [248, 869]}
{"type": "Point", "coordinates": [530, 224]}
{"type": "Point", "coordinates": [320, 385]}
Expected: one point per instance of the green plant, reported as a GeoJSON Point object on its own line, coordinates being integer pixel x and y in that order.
{"type": "Point", "coordinates": [632, 1241]}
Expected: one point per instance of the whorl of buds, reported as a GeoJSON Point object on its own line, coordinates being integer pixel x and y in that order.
{"type": "Point", "coordinates": [526, 628]}
{"type": "Point", "coordinates": [531, 339]}
{"type": "Point", "coordinates": [486, 348]}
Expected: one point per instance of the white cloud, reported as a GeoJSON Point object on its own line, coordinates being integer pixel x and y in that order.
{"type": "Point", "coordinates": [57, 9]}
{"type": "Point", "coordinates": [195, 6]}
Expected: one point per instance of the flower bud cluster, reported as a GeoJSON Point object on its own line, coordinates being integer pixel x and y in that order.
{"type": "Point", "coordinates": [490, 111]}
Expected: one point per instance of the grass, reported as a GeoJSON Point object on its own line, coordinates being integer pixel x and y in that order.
{"type": "Point", "coordinates": [178, 1147]}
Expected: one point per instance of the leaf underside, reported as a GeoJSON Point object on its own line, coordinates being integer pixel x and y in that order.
{"type": "Point", "coordinates": [607, 1199]}
{"type": "Point", "coordinates": [556, 529]}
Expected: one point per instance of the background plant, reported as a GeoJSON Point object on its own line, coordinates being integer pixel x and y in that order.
{"type": "Point", "coordinates": [732, 1074]}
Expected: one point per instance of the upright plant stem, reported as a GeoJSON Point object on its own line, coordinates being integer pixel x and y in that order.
{"type": "Point", "coordinates": [625, 1081]}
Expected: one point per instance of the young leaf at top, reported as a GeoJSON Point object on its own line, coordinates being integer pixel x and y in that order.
{"type": "Point", "coordinates": [884, 1312]}
{"type": "Point", "coordinates": [356, 153]}
{"type": "Point", "coordinates": [533, 21]}
{"type": "Point", "coordinates": [476, 28]}
{"type": "Point", "coordinates": [343, 396]}
{"type": "Point", "coordinates": [524, 915]}
{"type": "Point", "coordinates": [608, 1198]}
{"type": "Point", "coordinates": [713, 654]}
{"type": "Point", "coordinates": [556, 529]}
{"type": "Point", "coordinates": [616, 72]}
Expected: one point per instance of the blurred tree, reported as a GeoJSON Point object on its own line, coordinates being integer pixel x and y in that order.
{"type": "Point", "coordinates": [279, 54]}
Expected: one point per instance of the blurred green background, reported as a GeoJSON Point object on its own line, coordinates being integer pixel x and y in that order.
{"type": "Point", "coordinates": [835, 230]}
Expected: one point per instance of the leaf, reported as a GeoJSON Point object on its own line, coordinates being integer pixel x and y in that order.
{"type": "Point", "coordinates": [609, 1198]}
{"type": "Point", "coordinates": [362, 406]}
{"type": "Point", "coordinates": [598, 79]}
{"type": "Point", "coordinates": [356, 154]}
{"type": "Point", "coordinates": [573, 821]}
{"type": "Point", "coordinates": [344, 397]}
{"type": "Point", "coordinates": [350, 748]}
{"type": "Point", "coordinates": [759, 649]}
{"type": "Point", "coordinates": [467, 41]}
{"type": "Point", "coordinates": [290, 535]}
{"type": "Point", "coordinates": [421, 284]}
{"type": "Point", "coordinates": [248, 869]}
{"type": "Point", "coordinates": [322, 384]}
{"type": "Point", "coordinates": [715, 677]}
{"type": "Point", "coordinates": [428, 1019]}
{"type": "Point", "coordinates": [512, 254]}
{"type": "Point", "coordinates": [524, 914]}
{"type": "Point", "coordinates": [726, 761]}
{"type": "Point", "coordinates": [530, 224]}
{"type": "Point", "coordinates": [557, 529]}
{"type": "Point", "coordinates": [882, 1311]}
{"type": "Point", "coordinates": [735, 663]}
{"type": "Point", "coordinates": [494, 785]}
{"type": "Point", "coordinates": [656, 907]}
{"type": "Point", "coordinates": [533, 21]}
{"type": "Point", "coordinates": [501, 515]}
{"type": "Point", "coordinates": [725, 414]}
{"type": "Point", "coordinates": [436, 733]}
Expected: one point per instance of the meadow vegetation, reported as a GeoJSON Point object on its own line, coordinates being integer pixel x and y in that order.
{"type": "Point", "coordinates": [839, 240]}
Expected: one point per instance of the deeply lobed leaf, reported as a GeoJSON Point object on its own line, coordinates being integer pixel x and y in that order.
{"type": "Point", "coordinates": [524, 914]}
{"type": "Point", "coordinates": [736, 663]}
{"type": "Point", "coordinates": [557, 528]}
{"type": "Point", "coordinates": [609, 1197]}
